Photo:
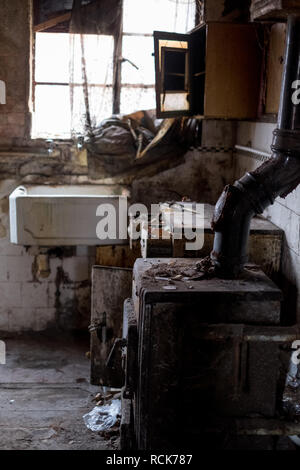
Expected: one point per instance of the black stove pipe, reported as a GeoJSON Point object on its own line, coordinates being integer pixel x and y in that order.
{"type": "Point", "coordinates": [256, 190]}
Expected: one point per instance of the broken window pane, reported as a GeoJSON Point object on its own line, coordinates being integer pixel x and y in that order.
{"type": "Point", "coordinates": [133, 99]}
{"type": "Point", "coordinates": [139, 51]}
{"type": "Point", "coordinates": [98, 53]}
{"type": "Point", "coordinates": [100, 102]}
{"type": "Point", "coordinates": [146, 16]}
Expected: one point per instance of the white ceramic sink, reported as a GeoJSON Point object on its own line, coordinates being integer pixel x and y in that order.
{"type": "Point", "coordinates": [63, 215]}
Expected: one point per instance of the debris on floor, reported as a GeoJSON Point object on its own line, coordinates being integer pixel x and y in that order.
{"type": "Point", "coordinates": [103, 417]}
{"type": "Point", "coordinates": [44, 396]}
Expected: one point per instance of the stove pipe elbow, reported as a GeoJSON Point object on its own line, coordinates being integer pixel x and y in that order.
{"type": "Point", "coordinates": [280, 175]}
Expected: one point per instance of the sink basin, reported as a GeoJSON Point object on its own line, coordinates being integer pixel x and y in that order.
{"type": "Point", "coordinates": [64, 215]}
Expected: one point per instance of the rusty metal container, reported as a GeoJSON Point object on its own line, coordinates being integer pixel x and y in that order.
{"type": "Point", "coordinates": [200, 353]}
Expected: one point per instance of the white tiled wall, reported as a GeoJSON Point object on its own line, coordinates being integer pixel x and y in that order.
{"type": "Point", "coordinates": [32, 302]}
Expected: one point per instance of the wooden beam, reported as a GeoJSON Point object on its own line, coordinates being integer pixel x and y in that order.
{"type": "Point", "coordinates": [52, 22]}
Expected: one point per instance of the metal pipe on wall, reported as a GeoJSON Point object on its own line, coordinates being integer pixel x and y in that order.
{"type": "Point", "coordinates": [280, 175]}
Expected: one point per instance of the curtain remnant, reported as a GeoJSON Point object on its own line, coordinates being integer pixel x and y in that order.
{"type": "Point", "coordinates": [94, 42]}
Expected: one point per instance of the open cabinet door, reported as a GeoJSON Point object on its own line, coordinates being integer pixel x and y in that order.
{"type": "Point", "coordinates": [172, 74]}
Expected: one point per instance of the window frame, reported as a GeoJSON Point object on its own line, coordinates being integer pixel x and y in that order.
{"type": "Point", "coordinates": [116, 84]}
{"type": "Point", "coordinates": [35, 83]}
{"type": "Point", "coordinates": [118, 59]}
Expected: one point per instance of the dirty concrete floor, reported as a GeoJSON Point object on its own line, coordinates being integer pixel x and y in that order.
{"type": "Point", "coordinates": [44, 392]}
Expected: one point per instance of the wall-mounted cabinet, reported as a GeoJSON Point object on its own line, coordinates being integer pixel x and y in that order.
{"type": "Point", "coordinates": [214, 71]}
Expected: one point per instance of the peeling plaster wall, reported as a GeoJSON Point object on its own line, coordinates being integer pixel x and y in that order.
{"type": "Point", "coordinates": [202, 174]}
{"type": "Point", "coordinates": [285, 213]}
{"type": "Point", "coordinates": [51, 287]}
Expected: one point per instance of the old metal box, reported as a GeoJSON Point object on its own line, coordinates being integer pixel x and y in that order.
{"type": "Point", "coordinates": [197, 358]}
